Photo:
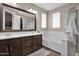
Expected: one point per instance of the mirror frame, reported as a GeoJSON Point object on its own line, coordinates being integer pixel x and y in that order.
{"type": "Point", "coordinates": [3, 4]}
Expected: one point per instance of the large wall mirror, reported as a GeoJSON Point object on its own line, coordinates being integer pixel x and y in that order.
{"type": "Point", "coordinates": [15, 19]}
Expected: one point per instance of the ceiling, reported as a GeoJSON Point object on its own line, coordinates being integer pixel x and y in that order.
{"type": "Point", "coordinates": [49, 6]}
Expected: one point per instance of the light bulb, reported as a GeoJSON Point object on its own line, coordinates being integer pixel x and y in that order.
{"type": "Point", "coordinates": [35, 12]}
{"type": "Point", "coordinates": [30, 10]}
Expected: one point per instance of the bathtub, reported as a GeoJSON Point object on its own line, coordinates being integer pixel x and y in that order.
{"type": "Point", "coordinates": [55, 41]}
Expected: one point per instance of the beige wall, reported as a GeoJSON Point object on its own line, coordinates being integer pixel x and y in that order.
{"type": "Point", "coordinates": [63, 11]}
{"type": "Point", "coordinates": [40, 10]}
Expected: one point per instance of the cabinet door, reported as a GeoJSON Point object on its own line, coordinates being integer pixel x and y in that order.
{"type": "Point", "coordinates": [26, 45]}
{"type": "Point", "coordinates": [37, 42]}
{"type": "Point", "coordinates": [15, 47]}
{"type": "Point", "coordinates": [4, 48]}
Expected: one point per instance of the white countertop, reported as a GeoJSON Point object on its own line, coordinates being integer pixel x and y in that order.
{"type": "Point", "coordinates": [2, 37]}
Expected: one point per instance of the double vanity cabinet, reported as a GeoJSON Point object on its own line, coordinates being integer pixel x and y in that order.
{"type": "Point", "coordinates": [14, 19]}
{"type": "Point", "coordinates": [21, 46]}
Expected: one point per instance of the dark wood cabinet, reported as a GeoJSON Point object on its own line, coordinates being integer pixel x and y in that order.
{"type": "Point", "coordinates": [26, 45]}
{"type": "Point", "coordinates": [37, 42]}
{"type": "Point", "coordinates": [15, 47]}
{"type": "Point", "coordinates": [4, 48]}
{"type": "Point", "coordinates": [20, 46]}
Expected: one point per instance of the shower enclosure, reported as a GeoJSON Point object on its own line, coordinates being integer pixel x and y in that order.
{"type": "Point", "coordinates": [72, 31]}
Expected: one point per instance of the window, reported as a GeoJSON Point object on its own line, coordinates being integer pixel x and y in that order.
{"type": "Point", "coordinates": [56, 20]}
{"type": "Point", "coordinates": [43, 20]}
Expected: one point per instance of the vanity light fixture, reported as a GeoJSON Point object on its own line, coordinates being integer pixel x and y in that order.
{"type": "Point", "coordinates": [32, 10]}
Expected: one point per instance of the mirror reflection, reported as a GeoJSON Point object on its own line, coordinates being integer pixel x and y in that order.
{"type": "Point", "coordinates": [14, 19]}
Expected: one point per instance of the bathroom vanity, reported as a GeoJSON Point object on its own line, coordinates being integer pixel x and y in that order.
{"type": "Point", "coordinates": [15, 19]}
{"type": "Point", "coordinates": [20, 45]}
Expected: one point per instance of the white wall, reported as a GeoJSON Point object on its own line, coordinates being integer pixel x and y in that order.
{"type": "Point", "coordinates": [63, 10]}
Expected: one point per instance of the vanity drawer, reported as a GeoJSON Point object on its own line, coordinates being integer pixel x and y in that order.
{"type": "Point", "coordinates": [37, 37]}
{"type": "Point", "coordinates": [27, 42]}
{"type": "Point", "coordinates": [3, 42]}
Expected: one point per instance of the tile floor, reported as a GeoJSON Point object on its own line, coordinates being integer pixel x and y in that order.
{"type": "Point", "coordinates": [52, 52]}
